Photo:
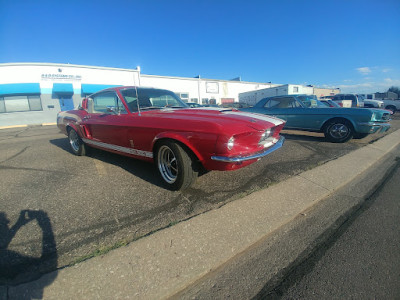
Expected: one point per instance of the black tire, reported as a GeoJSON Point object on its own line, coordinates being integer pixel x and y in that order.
{"type": "Point", "coordinates": [176, 165]}
{"type": "Point", "coordinates": [392, 108]}
{"type": "Point", "coordinates": [78, 147]}
{"type": "Point", "coordinates": [338, 131]}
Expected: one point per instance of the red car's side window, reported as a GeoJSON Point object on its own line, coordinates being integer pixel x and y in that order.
{"type": "Point", "coordinates": [105, 102]}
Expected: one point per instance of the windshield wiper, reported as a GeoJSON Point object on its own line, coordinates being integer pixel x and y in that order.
{"type": "Point", "coordinates": [150, 107]}
{"type": "Point", "coordinates": [159, 107]}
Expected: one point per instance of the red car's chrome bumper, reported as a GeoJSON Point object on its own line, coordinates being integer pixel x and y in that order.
{"type": "Point", "coordinates": [238, 159]}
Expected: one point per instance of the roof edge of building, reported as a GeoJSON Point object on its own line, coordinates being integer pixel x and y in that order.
{"type": "Point", "coordinates": [66, 65]}
{"type": "Point", "coordinates": [208, 79]}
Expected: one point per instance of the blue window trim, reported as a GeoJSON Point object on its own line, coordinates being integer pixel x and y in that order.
{"type": "Point", "coordinates": [63, 88]}
{"type": "Point", "coordinates": [20, 89]}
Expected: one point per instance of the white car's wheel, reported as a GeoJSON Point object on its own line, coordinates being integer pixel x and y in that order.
{"type": "Point", "coordinates": [338, 131]}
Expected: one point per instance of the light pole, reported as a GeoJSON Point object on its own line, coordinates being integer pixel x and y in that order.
{"type": "Point", "coordinates": [198, 87]}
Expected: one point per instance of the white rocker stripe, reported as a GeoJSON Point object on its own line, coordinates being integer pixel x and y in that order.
{"type": "Point", "coordinates": [119, 148]}
{"type": "Point", "coordinates": [270, 119]}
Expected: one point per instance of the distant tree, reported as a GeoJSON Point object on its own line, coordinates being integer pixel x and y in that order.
{"type": "Point", "coordinates": [394, 89]}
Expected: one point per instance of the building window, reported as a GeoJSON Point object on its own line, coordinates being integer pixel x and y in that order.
{"type": "Point", "coordinates": [204, 101]}
{"type": "Point", "coordinates": [2, 106]}
{"type": "Point", "coordinates": [194, 100]}
{"type": "Point", "coordinates": [295, 89]}
{"type": "Point", "coordinates": [184, 96]}
{"type": "Point", "coordinates": [35, 103]}
{"type": "Point", "coordinates": [20, 103]}
{"type": "Point", "coordinates": [225, 100]}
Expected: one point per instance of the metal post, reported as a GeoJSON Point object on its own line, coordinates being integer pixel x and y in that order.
{"type": "Point", "coordinates": [198, 86]}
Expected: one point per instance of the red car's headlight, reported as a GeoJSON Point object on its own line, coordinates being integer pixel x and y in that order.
{"type": "Point", "coordinates": [231, 143]}
{"type": "Point", "coordinates": [265, 136]}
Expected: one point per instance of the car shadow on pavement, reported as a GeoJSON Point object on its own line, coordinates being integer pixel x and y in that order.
{"type": "Point", "coordinates": [17, 268]}
{"type": "Point", "coordinates": [142, 169]}
{"type": "Point", "coordinates": [303, 137]}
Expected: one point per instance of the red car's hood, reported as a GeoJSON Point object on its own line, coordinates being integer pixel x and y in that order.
{"type": "Point", "coordinates": [225, 118]}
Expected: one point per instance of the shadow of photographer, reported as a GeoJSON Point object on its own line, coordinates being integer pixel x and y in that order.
{"type": "Point", "coordinates": [16, 268]}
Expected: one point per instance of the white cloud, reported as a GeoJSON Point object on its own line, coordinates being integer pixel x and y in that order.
{"type": "Point", "coordinates": [364, 70]}
{"type": "Point", "coordinates": [374, 79]}
{"type": "Point", "coordinates": [392, 81]}
{"type": "Point", "coordinates": [369, 87]}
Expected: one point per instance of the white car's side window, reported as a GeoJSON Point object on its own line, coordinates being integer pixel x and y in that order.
{"type": "Point", "coordinates": [272, 103]}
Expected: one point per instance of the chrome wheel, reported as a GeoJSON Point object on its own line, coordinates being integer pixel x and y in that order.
{"type": "Point", "coordinates": [74, 140]}
{"type": "Point", "coordinates": [339, 131]}
{"type": "Point", "coordinates": [167, 164]}
{"type": "Point", "coordinates": [78, 147]}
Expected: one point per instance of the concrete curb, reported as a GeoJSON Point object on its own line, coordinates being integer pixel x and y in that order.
{"type": "Point", "coordinates": [13, 126]}
{"type": "Point", "coordinates": [260, 269]}
{"type": "Point", "coordinates": [177, 261]}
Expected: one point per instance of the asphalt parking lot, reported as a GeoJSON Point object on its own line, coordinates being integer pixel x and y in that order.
{"type": "Point", "coordinates": [99, 202]}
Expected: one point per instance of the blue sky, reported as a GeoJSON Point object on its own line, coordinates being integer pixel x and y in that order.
{"type": "Point", "coordinates": [354, 45]}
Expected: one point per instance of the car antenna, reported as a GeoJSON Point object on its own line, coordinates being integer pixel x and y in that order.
{"type": "Point", "coordinates": [137, 97]}
{"type": "Point", "coordinates": [137, 101]}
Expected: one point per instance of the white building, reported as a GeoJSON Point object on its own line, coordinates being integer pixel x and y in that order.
{"type": "Point", "coordinates": [33, 93]}
{"type": "Point", "coordinates": [252, 97]}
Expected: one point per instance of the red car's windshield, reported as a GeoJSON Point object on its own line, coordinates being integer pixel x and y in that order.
{"type": "Point", "coordinates": [151, 99]}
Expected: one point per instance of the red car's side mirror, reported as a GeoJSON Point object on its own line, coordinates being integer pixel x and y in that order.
{"type": "Point", "coordinates": [85, 103]}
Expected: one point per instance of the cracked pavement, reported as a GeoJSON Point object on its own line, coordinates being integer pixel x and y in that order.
{"type": "Point", "coordinates": [98, 201]}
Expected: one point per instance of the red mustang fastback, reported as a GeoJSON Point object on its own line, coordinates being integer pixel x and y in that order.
{"type": "Point", "coordinates": [160, 127]}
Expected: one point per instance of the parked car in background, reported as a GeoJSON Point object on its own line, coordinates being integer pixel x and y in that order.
{"type": "Point", "coordinates": [393, 105]}
{"type": "Point", "coordinates": [236, 105]}
{"type": "Point", "coordinates": [309, 114]}
{"type": "Point", "coordinates": [193, 104]}
{"type": "Point", "coordinates": [372, 103]}
{"type": "Point", "coordinates": [325, 98]}
{"type": "Point", "coordinates": [343, 100]}
{"type": "Point", "coordinates": [155, 125]}
{"type": "Point", "coordinates": [330, 103]}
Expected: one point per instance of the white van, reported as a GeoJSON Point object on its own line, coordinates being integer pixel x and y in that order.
{"type": "Point", "coordinates": [348, 100]}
